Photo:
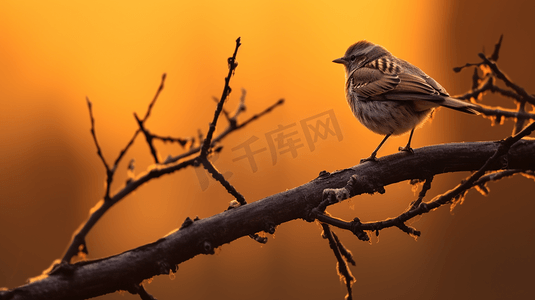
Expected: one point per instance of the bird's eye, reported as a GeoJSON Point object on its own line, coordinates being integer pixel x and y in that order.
{"type": "Point", "coordinates": [353, 57]}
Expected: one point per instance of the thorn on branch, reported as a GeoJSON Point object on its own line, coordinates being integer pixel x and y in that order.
{"type": "Point", "coordinates": [187, 222]}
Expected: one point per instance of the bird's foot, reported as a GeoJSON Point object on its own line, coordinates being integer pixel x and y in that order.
{"type": "Point", "coordinates": [406, 149]}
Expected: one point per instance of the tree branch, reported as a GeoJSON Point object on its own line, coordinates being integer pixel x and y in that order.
{"type": "Point", "coordinates": [97, 277]}
{"type": "Point", "coordinates": [232, 65]}
{"type": "Point", "coordinates": [230, 128]}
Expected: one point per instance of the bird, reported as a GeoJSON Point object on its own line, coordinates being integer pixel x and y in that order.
{"type": "Point", "coordinates": [389, 95]}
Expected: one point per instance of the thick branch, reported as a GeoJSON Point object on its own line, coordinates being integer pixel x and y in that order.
{"type": "Point", "coordinates": [92, 278]}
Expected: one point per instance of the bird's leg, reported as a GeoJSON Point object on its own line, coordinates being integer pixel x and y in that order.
{"type": "Point", "coordinates": [374, 153]}
{"type": "Point", "coordinates": [408, 147]}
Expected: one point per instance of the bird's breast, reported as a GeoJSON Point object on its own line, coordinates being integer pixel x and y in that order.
{"type": "Point", "coordinates": [387, 117]}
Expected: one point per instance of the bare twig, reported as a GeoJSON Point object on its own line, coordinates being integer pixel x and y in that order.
{"type": "Point", "coordinates": [425, 188]}
{"type": "Point", "coordinates": [493, 57]}
{"type": "Point", "coordinates": [94, 135]}
{"type": "Point", "coordinates": [482, 85]}
{"type": "Point", "coordinates": [223, 110]}
{"type": "Point", "coordinates": [219, 177]}
{"type": "Point", "coordinates": [343, 271]}
{"type": "Point", "coordinates": [481, 184]}
{"type": "Point", "coordinates": [232, 64]}
{"type": "Point", "coordinates": [501, 75]}
{"type": "Point", "coordinates": [147, 114]}
{"type": "Point", "coordinates": [241, 106]}
{"type": "Point", "coordinates": [109, 172]}
{"type": "Point", "coordinates": [500, 113]}
{"type": "Point", "coordinates": [148, 137]}
{"type": "Point", "coordinates": [230, 128]}
{"type": "Point", "coordinates": [519, 124]}
{"type": "Point", "coordinates": [78, 243]}
{"type": "Point", "coordinates": [181, 141]}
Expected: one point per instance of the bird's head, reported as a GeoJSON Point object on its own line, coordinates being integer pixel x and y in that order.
{"type": "Point", "coordinates": [359, 54]}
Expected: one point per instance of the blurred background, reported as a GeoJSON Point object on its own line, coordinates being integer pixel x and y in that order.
{"type": "Point", "coordinates": [55, 53]}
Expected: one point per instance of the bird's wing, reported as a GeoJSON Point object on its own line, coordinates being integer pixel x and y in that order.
{"type": "Point", "coordinates": [372, 83]}
{"type": "Point", "coordinates": [369, 82]}
{"type": "Point", "coordinates": [414, 84]}
{"type": "Point", "coordinates": [424, 92]}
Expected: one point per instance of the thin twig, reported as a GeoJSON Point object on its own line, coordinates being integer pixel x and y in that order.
{"type": "Point", "coordinates": [147, 114]}
{"type": "Point", "coordinates": [500, 75]}
{"type": "Point", "coordinates": [219, 177]}
{"type": "Point", "coordinates": [504, 112]}
{"type": "Point", "coordinates": [94, 135]}
{"type": "Point", "coordinates": [342, 268]}
{"type": "Point", "coordinates": [241, 106]}
{"type": "Point", "coordinates": [497, 47]}
{"type": "Point", "coordinates": [181, 141]}
{"type": "Point", "coordinates": [109, 172]}
{"type": "Point", "coordinates": [519, 124]}
{"type": "Point", "coordinates": [224, 133]}
{"type": "Point", "coordinates": [232, 64]}
{"type": "Point", "coordinates": [223, 110]}
{"type": "Point", "coordinates": [148, 138]}
{"type": "Point", "coordinates": [426, 186]}
{"type": "Point", "coordinates": [78, 241]}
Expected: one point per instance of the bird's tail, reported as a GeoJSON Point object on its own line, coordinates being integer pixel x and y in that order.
{"type": "Point", "coordinates": [460, 105]}
{"type": "Point", "coordinates": [424, 102]}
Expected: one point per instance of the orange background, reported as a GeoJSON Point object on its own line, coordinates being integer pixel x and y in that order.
{"type": "Point", "coordinates": [55, 53]}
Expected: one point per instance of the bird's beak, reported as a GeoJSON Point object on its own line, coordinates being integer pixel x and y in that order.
{"type": "Point", "coordinates": [340, 60]}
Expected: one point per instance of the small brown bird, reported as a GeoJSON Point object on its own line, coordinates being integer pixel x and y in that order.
{"type": "Point", "coordinates": [389, 95]}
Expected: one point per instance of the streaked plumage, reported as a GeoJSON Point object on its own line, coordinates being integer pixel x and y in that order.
{"type": "Point", "coordinates": [389, 95]}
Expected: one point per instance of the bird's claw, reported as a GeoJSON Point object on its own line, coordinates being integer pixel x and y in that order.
{"type": "Point", "coordinates": [406, 149]}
